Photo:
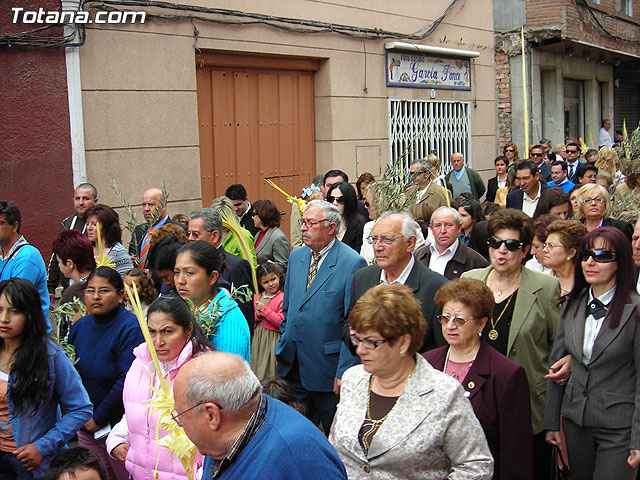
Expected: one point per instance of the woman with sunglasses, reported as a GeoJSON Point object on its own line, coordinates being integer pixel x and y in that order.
{"type": "Point", "coordinates": [398, 417]}
{"type": "Point", "coordinates": [177, 338]}
{"type": "Point", "coordinates": [510, 151]}
{"type": "Point", "coordinates": [343, 196]}
{"type": "Point", "coordinates": [594, 209]}
{"type": "Point", "coordinates": [600, 329]}
{"type": "Point", "coordinates": [525, 317]}
{"type": "Point", "coordinates": [496, 386]}
{"type": "Point", "coordinates": [104, 341]}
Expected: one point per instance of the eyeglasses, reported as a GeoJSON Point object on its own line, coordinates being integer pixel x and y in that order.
{"type": "Point", "coordinates": [445, 319]}
{"type": "Point", "coordinates": [175, 415]}
{"type": "Point", "coordinates": [586, 201]}
{"type": "Point", "coordinates": [511, 244]}
{"type": "Point", "coordinates": [599, 256]}
{"type": "Point", "coordinates": [386, 241]}
{"type": "Point", "coordinates": [310, 223]}
{"type": "Point", "coordinates": [368, 344]}
{"type": "Point", "coordinates": [551, 246]}
{"type": "Point", "coordinates": [571, 151]}
{"type": "Point", "coordinates": [90, 292]}
{"type": "Point", "coordinates": [332, 199]}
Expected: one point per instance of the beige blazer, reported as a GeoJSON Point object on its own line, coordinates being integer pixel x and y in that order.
{"type": "Point", "coordinates": [431, 432]}
{"type": "Point", "coordinates": [605, 393]}
{"type": "Point", "coordinates": [434, 197]}
{"type": "Point", "coordinates": [533, 329]}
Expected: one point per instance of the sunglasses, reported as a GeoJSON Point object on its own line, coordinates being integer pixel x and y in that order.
{"type": "Point", "coordinates": [509, 150]}
{"type": "Point", "coordinates": [599, 256]}
{"type": "Point", "coordinates": [537, 154]}
{"type": "Point", "coordinates": [571, 151]}
{"type": "Point", "coordinates": [511, 244]}
{"type": "Point", "coordinates": [332, 199]}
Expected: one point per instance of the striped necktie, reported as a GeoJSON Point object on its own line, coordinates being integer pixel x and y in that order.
{"type": "Point", "coordinates": [146, 245]}
{"type": "Point", "coordinates": [314, 268]}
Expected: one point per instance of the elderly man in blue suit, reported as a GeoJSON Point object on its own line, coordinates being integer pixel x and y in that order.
{"type": "Point", "coordinates": [315, 306]}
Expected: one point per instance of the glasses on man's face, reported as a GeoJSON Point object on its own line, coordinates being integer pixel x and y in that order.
{"type": "Point", "coordinates": [512, 244]}
{"type": "Point", "coordinates": [444, 319]}
{"type": "Point", "coordinates": [587, 201]}
{"type": "Point", "coordinates": [386, 241]}
{"type": "Point", "coordinates": [90, 292]}
{"type": "Point", "coordinates": [571, 151]}
{"type": "Point", "coordinates": [175, 415]}
{"type": "Point", "coordinates": [367, 344]}
{"type": "Point", "coordinates": [537, 154]}
{"type": "Point", "coordinates": [599, 256]}
{"type": "Point", "coordinates": [310, 223]}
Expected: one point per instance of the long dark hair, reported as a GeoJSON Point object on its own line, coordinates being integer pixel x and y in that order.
{"type": "Point", "coordinates": [31, 365]}
{"type": "Point", "coordinates": [181, 315]}
{"type": "Point", "coordinates": [616, 241]}
{"type": "Point", "coordinates": [350, 215]}
{"type": "Point", "coordinates": [205, 255]}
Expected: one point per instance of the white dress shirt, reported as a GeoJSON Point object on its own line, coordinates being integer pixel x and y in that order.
{"type": "Point", "coordinates": [438, 262]}
{"type": "Point", "coordinates": [592, 326]}
{"type": "Point", "coordinates": [323, 254]}
{"type": "Point", "coordinates": [604, 138]}
{"type": "Point", "coordinates": [403, 276]}
{"type": "Point", "coordinates": [529, 205]}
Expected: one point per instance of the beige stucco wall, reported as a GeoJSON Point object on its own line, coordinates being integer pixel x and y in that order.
{"type": "Point", "coordinates": [139, 88]}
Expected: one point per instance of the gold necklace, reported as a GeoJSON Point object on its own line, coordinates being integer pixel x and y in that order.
{"type": "Point", "coordinates": [370, 423]}
{"type": "Point", "coordinates": [493, 333]}
{"type": "Point", "coordinates": [508, 286]}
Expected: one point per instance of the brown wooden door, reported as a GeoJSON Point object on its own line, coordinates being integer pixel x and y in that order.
{"type": "Point", "coordinates": [256, 121]}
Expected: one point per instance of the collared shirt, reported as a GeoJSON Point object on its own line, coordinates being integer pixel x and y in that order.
{"type": "Point", "coordinates": [421, 193]}
{"type": "Point", "coordinates": [402, 279]}
{"type": "Point", "coordinates": [529, 205]}
{"type": "Point", "coordinates": [572, 167]}
{"type": "Point", "coordinates": [245, 212]}
{"type": "Point", "coordinates": [21, 241]}
{"type": "Point", "coordinates": [438, 262]}
{"type": "Point", "coordinates": [592, 326]}
{"type": "Point", "coordinates": [255, 423]}
{"type": "Point", "coordinates": [604, 138]}
{"type": "Point", "coordinates": [460, 173]}
{"type": "Point", "coordinates": [323, 254]}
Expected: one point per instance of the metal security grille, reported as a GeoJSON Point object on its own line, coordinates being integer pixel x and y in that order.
{"type": "Point", "coordinates": [420, 127]}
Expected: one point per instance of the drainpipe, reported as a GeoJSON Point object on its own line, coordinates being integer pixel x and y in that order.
{"type": "Point", "coordinates": [72, 57]}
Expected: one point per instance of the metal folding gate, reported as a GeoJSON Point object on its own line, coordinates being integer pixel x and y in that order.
{"type": "Point", "coordinates": [420, 127]}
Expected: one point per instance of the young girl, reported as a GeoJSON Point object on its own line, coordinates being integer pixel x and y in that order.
{"type": "Point", "coordinates": [36, 379]}
{"type": "Point", "coordinates": [144, 284]}
{"type": "Point", "coordinates": [268, 308]}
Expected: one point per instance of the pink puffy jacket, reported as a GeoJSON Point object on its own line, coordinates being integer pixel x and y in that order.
{"type": "Point", "coordinates": [271, 315]}
{"type": "Point", "coordinates": [143, 454]}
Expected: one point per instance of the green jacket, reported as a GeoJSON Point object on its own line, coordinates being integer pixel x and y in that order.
{"type": "Point", "coordinates": [232, 246]}
{"type": "Point", "coordinates": [533, 329]}
{"type": "Point", "coordinates": [477, 185]}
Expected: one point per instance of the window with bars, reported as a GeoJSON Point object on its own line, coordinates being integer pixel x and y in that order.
{"type": "Point", "coordinates": [420, 127]}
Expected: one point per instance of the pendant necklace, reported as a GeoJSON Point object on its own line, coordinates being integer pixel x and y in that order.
{"type": "Point", "coordinates": [493, 333]}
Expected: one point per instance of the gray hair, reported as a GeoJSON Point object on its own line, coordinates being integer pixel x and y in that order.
{"type": "Point", "coordinates": [331, 212]}
{"type": "Point", "coordinates": [211, 217]}
{"type": "Point", "coordinates": [451, 210]}
{"type": "Point", "coordinates": [410, 227]}
{"type": "Point", "coordinates": [233, 393]}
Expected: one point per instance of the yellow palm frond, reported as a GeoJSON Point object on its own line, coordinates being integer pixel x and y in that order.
{"type": "Point", "coordinates": [102, 260]}
{"type": "Point", "coordinates": [302, 205]}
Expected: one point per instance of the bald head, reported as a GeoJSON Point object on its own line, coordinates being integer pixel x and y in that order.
{"type": "Point", "coordinates": [151, 199]}
{"type": "Point", "coordinates": [457, 161]}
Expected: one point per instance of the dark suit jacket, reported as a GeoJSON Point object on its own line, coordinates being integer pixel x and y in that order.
{"type": "Point", "coordinates": [463, 260]}
{"type": "Point", "coordinates": [492, 188]}
{"type": "Point", "coordinates": [238, 272]}
{"type": "Point", "coordinates": [313, 318]}
{"type": "Point", "coordinates": [247, 222]}
{"type": "Point", "coordinates": [353, 235]}
{"type": "Point", "coordinates": [514, 199]}
{"type": "Point", "coordinates": [423, 282]}
{"type": "Point", "coordinates": [605, 393]}
{"type": "Point", "coordinates": [545, 171]}
{"type": "Point", "coordinates": [499, 393]}
{"type": "Point", "coordinates": [139, 233]}
{"type": "Point", "coordinates": [624, 227]}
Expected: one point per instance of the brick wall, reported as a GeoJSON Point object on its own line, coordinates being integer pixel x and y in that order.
{"type": "Point", "coordinates": [503, 97]}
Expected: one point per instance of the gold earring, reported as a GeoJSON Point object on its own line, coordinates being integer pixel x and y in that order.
{"type": "Point", "coordinates": [403, 354]}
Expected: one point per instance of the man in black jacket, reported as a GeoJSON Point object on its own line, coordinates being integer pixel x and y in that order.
{"type": "Point", "coordinates": [238, 196]}
{"type": "Point", "coordinates": [85, 196]}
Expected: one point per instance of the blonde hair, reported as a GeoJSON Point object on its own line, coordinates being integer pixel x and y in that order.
{"type": "Point", "coordinates": [589, 190]}
{"type": "Point", "coordinates": [607, 160]}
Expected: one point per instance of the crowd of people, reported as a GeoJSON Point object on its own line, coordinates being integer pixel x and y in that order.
{"type": "Point", "coordinates": [465, 337]}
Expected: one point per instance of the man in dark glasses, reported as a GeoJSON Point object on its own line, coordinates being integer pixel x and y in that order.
{"type": "Point", "coordinates": [573, 161]}
{"type": "Point", "coordinates": [537, 156]}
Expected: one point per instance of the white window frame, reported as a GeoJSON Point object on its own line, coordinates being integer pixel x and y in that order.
{"type": "Point", "coordinates": [419, 127]}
